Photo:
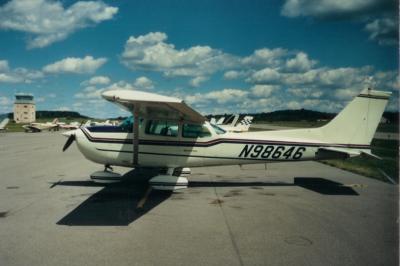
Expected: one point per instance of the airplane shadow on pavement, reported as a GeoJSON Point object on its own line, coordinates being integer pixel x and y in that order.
{"type": "Point", "coordinates": [122, 203]}
{"type": "Point", "coordinates": [117, 204]}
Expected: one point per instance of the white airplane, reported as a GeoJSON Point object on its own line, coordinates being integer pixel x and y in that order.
{"type": "Point", "coordinates": [3, 124]}
{"type": "Point", "coordinates": [70, 126]}
{"type": "Point", "coordinates": [105, 123]}
{"type": "Point", "coordinates": [38, 127]}
{"type": "Point", "coordinates": [220, 121]}
{"type": "Point", "coordinates": [169, 134]}
{"type": "Point", "coordinates": [242, 126]}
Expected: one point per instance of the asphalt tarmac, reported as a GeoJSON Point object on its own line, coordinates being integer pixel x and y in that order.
{"type": "Point", "coordinates": [302, 213]}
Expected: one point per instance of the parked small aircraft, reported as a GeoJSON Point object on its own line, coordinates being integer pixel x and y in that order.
{"type": "Point", "coordinates": [166, 133]}
{"type": "Point", "coordinates": [220, 121]}
{"type": "Point", "coordinates": [3, 124]}
{"type": "Point", "coordinates": [242, 126]}
{"type": "Point", "coordinates": [105, 123]}
{"type": "Point", "coordinates": [70, 126]}
{"type": "Point", "coordinates": [38, 127]}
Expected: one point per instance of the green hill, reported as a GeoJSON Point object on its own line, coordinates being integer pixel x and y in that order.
{"type": "Point", "coordinates": [68, 115]}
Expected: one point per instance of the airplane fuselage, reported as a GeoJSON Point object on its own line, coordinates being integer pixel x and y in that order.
{"type": "Point", "coordinates": [108, 146]}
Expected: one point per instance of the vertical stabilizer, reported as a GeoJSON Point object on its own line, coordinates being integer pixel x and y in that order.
{"type": "Point", "coordinates": [245, 124]}
{"type": "Point", "coordinates": [358, 121]}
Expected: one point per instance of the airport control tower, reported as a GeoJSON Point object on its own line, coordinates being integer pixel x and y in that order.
{"type": "Point", "coordinates": [24, 108]}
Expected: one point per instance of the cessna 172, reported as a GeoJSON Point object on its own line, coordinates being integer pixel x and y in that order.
{"type": "Point", "coordinates": [166, 133]}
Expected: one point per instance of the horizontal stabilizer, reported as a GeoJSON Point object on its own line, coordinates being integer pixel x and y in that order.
{"type": "Point", "coordinates": [335, 153]}
{"type": "Point", "coordinates": [342, 153]}
{"type": "Point", "coordinates": [370, 154]}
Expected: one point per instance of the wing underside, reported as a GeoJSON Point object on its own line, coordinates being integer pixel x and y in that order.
{"type": "Point", "coordinates": [153, 106]}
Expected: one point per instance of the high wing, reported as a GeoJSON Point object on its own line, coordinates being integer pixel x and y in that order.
{"type": "Point", "coordinates": [153, 105]}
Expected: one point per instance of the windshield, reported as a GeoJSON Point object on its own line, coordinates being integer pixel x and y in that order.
{"type": "Point", "coordinates": [218, 130]}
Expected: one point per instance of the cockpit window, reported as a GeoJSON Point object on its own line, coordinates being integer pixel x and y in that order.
{"type": "Point", "coordinates": [195, 131]}
{"type": "Point", "coordinates": [218, 130]}
{"type": "Point", "coordinates": [162, 128]}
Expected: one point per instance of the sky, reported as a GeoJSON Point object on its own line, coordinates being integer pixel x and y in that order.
{"type": "Point", "coordinates": [218, 56]}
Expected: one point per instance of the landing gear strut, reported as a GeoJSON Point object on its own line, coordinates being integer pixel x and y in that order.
{"type": "Point", "coordinates": [108, 167]}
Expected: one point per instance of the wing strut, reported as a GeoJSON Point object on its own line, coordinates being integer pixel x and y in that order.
{"type": "Point", "coordinates": [136, 135]}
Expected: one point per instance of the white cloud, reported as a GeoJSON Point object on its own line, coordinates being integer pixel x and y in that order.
{"type": "Point", "coordinates": [380, 15]}
{"type": "Point", "coordinates": [4, 66]}
{"type": "Point", "coordinates": [7, 78]}
{"type": "Point", "coordinates": [48, 21]}
{"type": "Point", "coordinates": [97, 80]}
{"type": "Point", "coordinates": [196, 82]}
{"type": "Point", "coordinates": [93, 92]}
{"type": "Point", "coordinates": [120, 85]}
{"type": "Point", "coordinates": [232, 74]}
{"type": "Point", "coordinates": [226, 95]}
{"type": "Point", "coordinates": [266, 75]}
{"type": "Point", "coordinates": [219, 96]}
{"type": "Point", "coordinates": [384, 30]}
{"type": "Point", "coordinates": [301, 63]}
{"type": "Point", "coordinates": [265, 57]}
{"type": "Point", "coordinates": [144, 83]}
{"type": "Point", "coordinates": [263, 90]}
{"type": "Point", "coordinates": [17, 75]}
{"type": "Point", "coordinates": [5, 101]}
{"type": "Point", "coordinates": [306, 92]}
{"type": "Point", "coordinates": [88, 64]}
{"type": "Point", "coordinates": [151, 52]}
{"type": "Point", "coordinates": [333, 8]}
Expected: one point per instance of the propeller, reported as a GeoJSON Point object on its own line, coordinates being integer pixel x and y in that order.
{"type": "Point", "coordinates": [69, 142]}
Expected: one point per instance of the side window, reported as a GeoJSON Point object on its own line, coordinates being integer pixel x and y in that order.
{"type": "Point", "coordinates": [195, 131]}
{"type": "Point", "coordinates": [162, 128]}
{"type": "Point", "coordinates": [127, 124]}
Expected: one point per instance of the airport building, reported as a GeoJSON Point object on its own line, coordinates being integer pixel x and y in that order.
{"type": "Point", "coordinates": [24, 108]}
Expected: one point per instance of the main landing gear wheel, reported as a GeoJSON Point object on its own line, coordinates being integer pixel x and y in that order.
{"type": "Point", "coordinates": [174, 179]}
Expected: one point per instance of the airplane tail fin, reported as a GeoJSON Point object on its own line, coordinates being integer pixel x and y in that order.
{"type": "Point", "coordinates": [55, 121]}
{"type": "Point", "coordinates": [358, 121]}
{"type": "Point", "coordinates": [235, 119]}
{"type": "Point", "coordinates": [221, 120]}
{"type": "Point", "coordinates": [4, 123]}
{"type": "Point", "coordinates": [245, 124]}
